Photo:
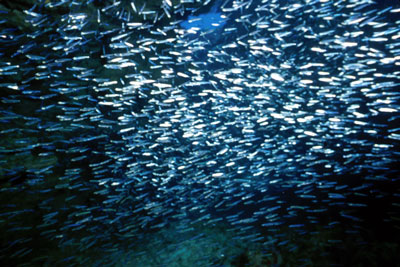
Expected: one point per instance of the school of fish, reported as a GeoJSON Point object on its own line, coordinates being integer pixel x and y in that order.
{"type": "Point", "coordinates": [121, 118]}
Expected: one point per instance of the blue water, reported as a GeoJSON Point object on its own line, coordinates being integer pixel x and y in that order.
{"type": "Point", "coordinates": [211, 20]}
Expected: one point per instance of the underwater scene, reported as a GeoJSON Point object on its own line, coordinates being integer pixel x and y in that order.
{"type": "Point", "coordinates": [180, 133]}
